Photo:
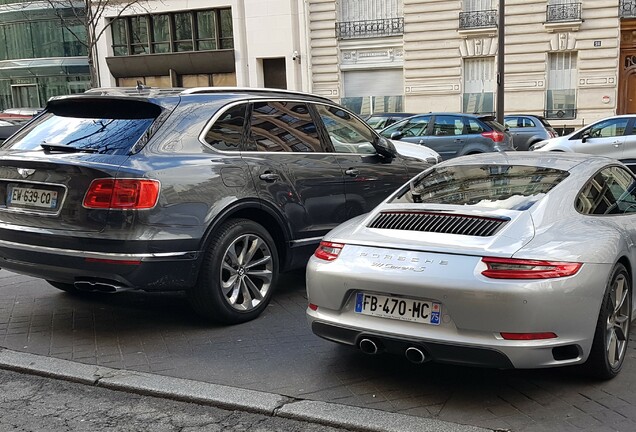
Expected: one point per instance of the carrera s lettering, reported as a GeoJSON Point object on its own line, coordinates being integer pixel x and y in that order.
{"type": "Point", "coordinates": [396, 267]}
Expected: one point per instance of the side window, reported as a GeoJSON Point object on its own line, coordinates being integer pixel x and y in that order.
{"type": "Point", "coordinates": [347, 133]}
{"type": "Point", "coordinates": [448, 126]}
{"type": "Point", "coordinates": [611, 191]}
{"type": "Point", "coordinates": [527, 122]}
{"type": "Point", "coordinates": [511, 122]}
{"type": "Point", "coordinates": [226, 133]}
{"type": "Point", "coordinates": [609, 128]}
{"type": "Point", "coordinates": [412, 127]}
{"type": "Point", "coordinates": [474, 127]}
{"type": "Point", "coordinates": [281, 126]}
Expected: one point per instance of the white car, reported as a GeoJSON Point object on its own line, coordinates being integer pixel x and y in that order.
{"type": "Point", "coordinates": [610, 137]}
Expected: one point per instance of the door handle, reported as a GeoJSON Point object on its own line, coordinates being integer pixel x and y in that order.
{"type": "Point", "coordinates": [459, 140]}
{"type": "Point", "coordinates": [352, 172]}
{"type": "Point", "coordinates": [617, 144]}
{"type": "Point", "coordinates": [269, 177]}
{"type": "Point", "coordinates": [421, 141]}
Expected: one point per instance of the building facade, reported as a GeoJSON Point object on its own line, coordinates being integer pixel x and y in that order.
{"type": "Point", "coordinates": [250, 43]}
{"type": "Point", "coordinates": [570, 61]}
{"type": "Point", "coordinates": [39, 56]}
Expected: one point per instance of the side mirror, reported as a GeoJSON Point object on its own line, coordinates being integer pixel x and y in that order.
{"type": "Point", "coordinates": [386, 148]}
{"type": "Point", "coordinates": [585, 136]}
{"type": "Point", "coordinates": [397, 135]}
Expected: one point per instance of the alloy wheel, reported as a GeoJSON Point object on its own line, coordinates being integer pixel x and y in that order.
{"type": "Point", "coordinates": [246, 272]}
{"type": "Point", "coordinates": [617, 328]}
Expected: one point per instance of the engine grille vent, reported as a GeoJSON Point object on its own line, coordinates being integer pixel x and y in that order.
{"type": "Point", "coordinates": [438, 223]}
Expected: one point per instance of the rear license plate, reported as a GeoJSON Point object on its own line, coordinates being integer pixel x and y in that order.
{"type": "Point", "coordinates": [31, 197]}
{"type": "Point", "coordinates": [398, 308]}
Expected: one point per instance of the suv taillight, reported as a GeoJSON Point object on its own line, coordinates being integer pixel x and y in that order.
{"type": "Point", "coordinates": [135, 194]}
{"type": "Point", "coordinates": [494, 135]}
{"type": "Point", "coordinates": [328, 251]}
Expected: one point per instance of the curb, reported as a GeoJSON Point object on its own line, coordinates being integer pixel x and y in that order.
{"type": "Point", "coordinates": [225, 397]}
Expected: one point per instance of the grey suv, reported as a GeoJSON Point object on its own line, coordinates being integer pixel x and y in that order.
{"type": "Point", "coordinates": [452, 135]}
{"type": "Point", "coordinates": [212, 191]}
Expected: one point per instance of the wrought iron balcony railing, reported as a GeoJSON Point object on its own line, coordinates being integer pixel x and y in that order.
{"type": "Point", "coordinates": [371, 28]}
{"type": "Point", "coordinates": [627, 8]}
{"type": "Point", "coordinates": [477, 19]}
{"type": "Point", "coordinates": [563, 12]}
{"type": "Point", "coordinates": [561, 114]}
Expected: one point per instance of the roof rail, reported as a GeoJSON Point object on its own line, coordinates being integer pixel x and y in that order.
{"type": "Point", "coordinates": [135, 91]}
{"type": "Point", "coordinates": [200, 90]}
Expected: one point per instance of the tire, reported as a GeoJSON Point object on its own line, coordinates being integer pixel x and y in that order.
{"type": "Point", "coordinates": [609, 347]}
{"type": "Point", "coordinates": [66, 287]}
{"type": "Point", "coordinates": [230, 288]}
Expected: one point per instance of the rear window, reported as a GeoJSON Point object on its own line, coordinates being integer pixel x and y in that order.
{"type": "Point", "coordinates": [510, 187]}
{"type": "Point", "coordinates": [493, 124]}
{"type": "Point", "coordinates": [104, 126]}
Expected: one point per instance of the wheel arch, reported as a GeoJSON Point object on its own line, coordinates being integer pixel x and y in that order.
{"type": "Point", "coordinates": [262, 214]}
{"type": "Point", "coordinates": [628, 266]}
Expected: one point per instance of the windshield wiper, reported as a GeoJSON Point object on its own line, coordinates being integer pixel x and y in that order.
{"type": "Point", "coordinates": [66, 149]}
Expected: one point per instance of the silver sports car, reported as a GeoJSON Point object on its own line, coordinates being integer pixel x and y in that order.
{"type": "Point", "coordinates": [503, 260]}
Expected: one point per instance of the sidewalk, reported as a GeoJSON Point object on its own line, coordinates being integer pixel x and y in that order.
{"type": "Point", "coordinates": [277, 354]}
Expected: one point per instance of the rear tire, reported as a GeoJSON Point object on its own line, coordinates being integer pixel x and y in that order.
{"type": "Point", "coordinates": [609, 347]}
{"type": "Point", "coordinates": [238, 273]}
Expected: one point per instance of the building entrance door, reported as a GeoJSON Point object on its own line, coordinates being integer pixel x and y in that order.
{"type": "Point", "coordinates": [626, 103]}
{"type": "Point", "coordinates": [25, 96]}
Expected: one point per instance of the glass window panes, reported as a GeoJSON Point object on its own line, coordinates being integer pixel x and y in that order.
{"type": "Point", "coordinates": [206, 30]}
{"type": "Point", "coordinates": [561, 92]}
{"type": "Point", "coordinates": [183, 32]}
{"type": "Point", "coordinates": [347, 133]}
{"type": "Point", "coordinates": [412, 127]}
{"type": "Point", "coordinates": [226, 133]}
{"type": "Point", "coordinates": [280, 126]}
{"type": "Point", "coordinates": [139, 35]}
{"type": "Point", "coordinates": [160, 33]}
{"type": "Point", "coordinates": [447, 126]}
{"type": "Point", "coordinates": [479, 85]}
{"type": "Point", "coordinates": [226, 37]}
{"type": "Point", "coordinates": [120, 39]}
{"type": "Point", "coordinates": [474, 127]}
{"type": "Point", "coordinates": [477, 5]}
{"type": "Point", "coordinates": [609, 128]}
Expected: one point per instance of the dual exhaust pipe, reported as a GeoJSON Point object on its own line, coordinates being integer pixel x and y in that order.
{"type": "Point", "coordinates": [412, 353]}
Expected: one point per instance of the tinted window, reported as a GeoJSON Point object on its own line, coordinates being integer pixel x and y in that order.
{"type": "Point", "coordinates": [527, 123]}
{"type": "Point", "coordinates": [413, 127]}
{"type": "Point", "coordinates": [225, 134]}
{"type": "Point", "coordinates": [493, 124]}
{"type": "Point", "coordinates": [511, 187]}
{"type": "Point", "coordinates": [611, 191]}
{"type": "Point", "coordinates": [474, 127]}
{"type": "Point", "coordinates": [281, 126]}
{"type": "Point", "coordinates": [347, 133]}
{"type": "Point", "coordinates": [109, 126]}
{"type": "Point", "coordinates": [511, 122]}
{"type": "Point", "coordinates": [448, 126]}
{"type": "Point", "coordinates": [378, 122]}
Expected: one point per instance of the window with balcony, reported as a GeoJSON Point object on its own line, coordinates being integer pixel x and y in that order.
{"type": "Point", "coordinates": [563, 11]}
{"type": "Point", "coordinates": [561, 93]}
{"type": "Point", "coordinates": [369, 18]}
{"type": "Point", "coordinates": [478, 14]}
{"type": "Point", "coordinates": [627, 8]}
{"type": "Point", "coordinates": [479, 85]}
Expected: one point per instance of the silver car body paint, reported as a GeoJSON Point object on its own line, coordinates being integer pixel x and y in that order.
{"type": "Point", "coordinates": [446, 268]}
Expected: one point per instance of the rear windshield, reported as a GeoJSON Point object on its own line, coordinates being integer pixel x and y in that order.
{"type": "Point", "coordinates": [510, 187]}
{"type": "Point", "coordinates": [494, 124]}
{"type": "Point", "coordinates": [106, 127]}
{"type": "Point", "coordinates": [544, 122]}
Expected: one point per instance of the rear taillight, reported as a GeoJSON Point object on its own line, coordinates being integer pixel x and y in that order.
{"type": "Point", "coordinates": [328, 251]}
{"type": "Point", "coordinates": [494, 135]}
{"type": "Point", "coordinates": [553, 134]}
{"type": "Point", "coordinates": [122, 194]}
{"type": "Point", "coordinates": [510, 268]}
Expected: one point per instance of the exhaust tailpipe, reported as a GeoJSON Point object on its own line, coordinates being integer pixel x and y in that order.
{"type": "Point", "coordinates": [415, 355]}
{"type": "Point", "coordinates": [94, 286]}
{"type": "Point", "coordinates": [368, 346]}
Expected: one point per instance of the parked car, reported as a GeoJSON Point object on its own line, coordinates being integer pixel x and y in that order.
{"type": "Point", "coordinates": [379, 121]}
{"type": "Point", "coordinates": [19, 113]}
{"type": "Point", "coordinates": [7, 128]}
{"type": "Point", "coordinates": [487, 260]}
{"type": "Point", "coordinates": [213, 191]}
{"type": "Point", "coordinates": [452, 135]}
{"type": "Point", "coordinates": [527, 130]}
{"type": "Point", "coordinates": [612, 137]}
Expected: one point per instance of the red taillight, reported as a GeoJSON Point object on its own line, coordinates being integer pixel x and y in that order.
{"type": "Point", "coordinates": [511, 268]}
{"type": "Point", "coordinates": [328, 251]}
{"type": "Point", "coordinates": [528, 336]}
{"type": "Point", "coordinates": [495, 135]}
{"type": "Point", "coordinates": [313, 307]}
{"type": "Point", "coordinates": [122, 194]}
{"type": "Point", "coordinates": [112, 261]}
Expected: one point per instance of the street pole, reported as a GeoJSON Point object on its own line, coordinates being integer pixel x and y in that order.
{"type": "Point", "coordinates": [500, 61]}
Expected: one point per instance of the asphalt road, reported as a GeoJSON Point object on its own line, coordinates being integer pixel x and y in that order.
{"type": "Point", "coordinates": [34, 404]}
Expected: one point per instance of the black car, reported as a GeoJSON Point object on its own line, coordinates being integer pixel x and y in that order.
{"type": "Point", "coordinates": [452, 134]}
{"type": "Point", "coordinates": [212, 191]}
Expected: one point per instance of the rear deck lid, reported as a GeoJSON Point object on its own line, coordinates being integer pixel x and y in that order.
{"type": "Point", "coordinates": [47, 167]}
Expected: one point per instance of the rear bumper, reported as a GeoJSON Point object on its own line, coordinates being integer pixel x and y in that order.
{"type": "Point", "coordinates": [147, 271]}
